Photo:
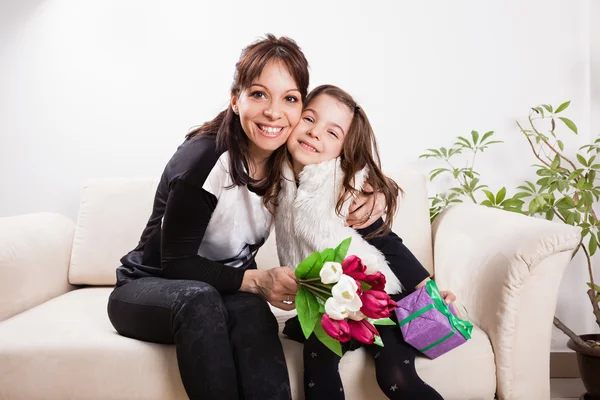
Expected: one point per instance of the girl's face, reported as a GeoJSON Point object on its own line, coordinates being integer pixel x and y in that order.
{"type": "Point", "coordinates": [320, 134]}
{"type": "Point", "coordinates": [269, 108]}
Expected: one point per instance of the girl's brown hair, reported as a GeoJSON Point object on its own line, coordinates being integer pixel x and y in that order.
{"type": "Point", "coordinates": [226, 125]}
{"type": "Point", "coordinates": [360, 151]}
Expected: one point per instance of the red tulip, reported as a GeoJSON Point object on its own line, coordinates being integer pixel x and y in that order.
{"type": "Point", "coordinates": [376, 281]}
{"type": "Point", "coordinates": [353, 267]}
{"type": "Point", "coordinates": [338, 330]}
{"type": "Point", "coordinates": [363, 331]}
{"type": "Point", "coordinates": [377, 304]}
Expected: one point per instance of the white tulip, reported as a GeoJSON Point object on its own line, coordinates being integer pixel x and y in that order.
{"type": "Point", "coordinates": [345, 292]}
{"type": "Point", "coordinates": [370, 262]}
{"type": "Point", "coordinates": [356, 315]}
{"type": "Point", "coordinates": [335, 309]}
{"type": "Point", "coordinates": [331, 272]}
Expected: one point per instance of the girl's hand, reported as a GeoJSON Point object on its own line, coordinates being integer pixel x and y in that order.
{"type": "Point", "coordinates": [448, 296]}
{"type": "Point", "coordinates": [367, 208]}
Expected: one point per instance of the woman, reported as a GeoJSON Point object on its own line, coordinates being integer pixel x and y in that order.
{"type": "Point", "coordinates": [192, 279]}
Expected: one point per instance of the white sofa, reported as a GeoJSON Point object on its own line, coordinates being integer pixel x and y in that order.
{"type": "Point", "coordinates": [56, 341]}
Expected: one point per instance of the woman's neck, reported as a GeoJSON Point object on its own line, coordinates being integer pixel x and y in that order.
{"type": "Point", "coordinates": [257, 162]}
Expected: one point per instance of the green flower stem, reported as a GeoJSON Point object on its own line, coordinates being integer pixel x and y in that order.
{"type": "Point", "coordinates": [314, 288]}
{"type": "Point", "coordinates": [310, 280]}
{"type": "Point", "coordinates": [317, 294]}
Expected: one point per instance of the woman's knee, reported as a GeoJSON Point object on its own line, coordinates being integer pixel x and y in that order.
{"type": "Point", "coordinates": [194, 300]}
{"type": "Point", "coordinates": [249, 312]}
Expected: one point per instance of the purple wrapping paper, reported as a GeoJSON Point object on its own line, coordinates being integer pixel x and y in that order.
{"type": "Point", "coordinates": [427, 328]}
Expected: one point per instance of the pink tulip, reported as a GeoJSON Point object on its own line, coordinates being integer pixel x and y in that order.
{"type": "Point", "coordinates": [377, 304]}
{"type": "Point", "coordinates": [376, 281]}
{"type": "Point", "coordinates": [338, 330]}
{"type": "Point", "coordinates": [353, 267]}
{"type": "Point", "coordinates": [363, 331]}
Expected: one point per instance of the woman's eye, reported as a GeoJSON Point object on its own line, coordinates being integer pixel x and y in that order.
{"type": "Point", "coordinates": [309, 119]}
{"type": "Point", "coordinates": [291, 99]}
{"type": "Point", "coordinates": [333, 133]}
{"type": "Point", "coordinates": [258, 95]}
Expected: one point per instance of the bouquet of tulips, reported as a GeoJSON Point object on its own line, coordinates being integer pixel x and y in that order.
{"type": "Point", "coordinates": [341, 298]}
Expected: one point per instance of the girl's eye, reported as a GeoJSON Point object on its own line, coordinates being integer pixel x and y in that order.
{"type": "Point", "coordinates": [333, 133]}
{"type": "Point", "coordinates": [258, 95]}
{"type": "Point", "coordinates": [291, 99]}
{"type": "Point", "coordinates": [309, 119]}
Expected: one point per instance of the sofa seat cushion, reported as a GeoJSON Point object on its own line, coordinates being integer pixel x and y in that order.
{"type": "Point", "coordinates": [67, 348]}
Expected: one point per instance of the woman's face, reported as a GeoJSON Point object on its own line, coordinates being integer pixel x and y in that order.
{"type": "Point", "coordinates": [320, 134]}
{"type": "Point", "coordinates": [269, 108]}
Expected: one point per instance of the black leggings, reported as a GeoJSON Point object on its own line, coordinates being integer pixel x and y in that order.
{"type": "Point", "coordinates": [394, 365]}
{"type": "Point", "coordinates": [227, 345]}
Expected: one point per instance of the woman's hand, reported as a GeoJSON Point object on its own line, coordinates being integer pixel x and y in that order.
{"type": "Point", "coordinates": [367, 208]}
{"type": "Point", "coordinates": [276, 285]}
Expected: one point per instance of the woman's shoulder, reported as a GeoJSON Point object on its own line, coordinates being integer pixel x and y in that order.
{"type": "Point", "coordinates": [194, 159]}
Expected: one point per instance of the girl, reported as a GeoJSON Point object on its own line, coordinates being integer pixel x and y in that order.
{"type": "Point", "coordinates": [332, 154]}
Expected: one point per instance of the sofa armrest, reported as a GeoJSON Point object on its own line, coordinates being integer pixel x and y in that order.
{"type": "Point", "coordinates": [35, 250]}
{"type": "Point", "coordinates": [506, 269]}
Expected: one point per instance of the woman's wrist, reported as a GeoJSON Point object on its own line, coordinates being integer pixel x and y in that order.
{"type": "Point", "coordinates": [250, 281]}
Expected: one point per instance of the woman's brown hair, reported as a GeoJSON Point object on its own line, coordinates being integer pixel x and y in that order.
{"type": "Point", "coordinates": [226, 125]}
{"type": "Point", "coordinates": [360, 151]}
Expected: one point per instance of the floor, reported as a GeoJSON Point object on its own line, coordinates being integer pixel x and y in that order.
{"type": "Point", "coordinates": [566, 389]}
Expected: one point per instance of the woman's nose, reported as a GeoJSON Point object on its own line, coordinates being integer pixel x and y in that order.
{"type": "Point", "coordinates": [273, 111]}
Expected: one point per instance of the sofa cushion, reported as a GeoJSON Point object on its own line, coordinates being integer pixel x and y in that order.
{"type": "Point", "coordinates": [66, 348]}
{"type": "Point", "coordinates": [113, 213]}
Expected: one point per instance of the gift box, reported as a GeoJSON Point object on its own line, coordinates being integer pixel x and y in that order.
{"type": "Point", "coordinates": [429, 324]}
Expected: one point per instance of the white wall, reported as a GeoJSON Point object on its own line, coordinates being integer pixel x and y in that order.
{"type": "Point", "coordinates": [109, 88]}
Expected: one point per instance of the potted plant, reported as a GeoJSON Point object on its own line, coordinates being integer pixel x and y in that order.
{"type": "Point", "coordinates": [566, 190]}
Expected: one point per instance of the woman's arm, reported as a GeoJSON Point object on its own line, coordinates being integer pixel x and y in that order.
{"type": "Point", "coordinates": [187, 214]}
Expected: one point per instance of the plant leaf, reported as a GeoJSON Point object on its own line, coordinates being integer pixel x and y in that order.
{"type": "Point", "coordinates": [307, 308]}
{"type": "Point", "coordinates": [548, 107]}
{"type": "Point", "coordinates": [593, 246]}
{"type": "Point", "coordinates": [561, 145]}
{"type": "Point", "coordinates": [383, 321]}
{"type": "Point", "coordinates": [582, 159]}
{"type": "Point", "coordinates": [501, 195]}
{"type": "Point", "coordinates": [327, 340]}
{"type": "Point", "coordinates": [342, 249]}
{"type": "Point", "coordinates": [562, 107]}
{"type": "Point", "coordinates": [486, 135]}
{"type": "Point", "coordinates": [378, 341]}
{"type": "Point", "coordinates": [490, 196]}
{"type": "Point", "coordinates": [475, 136]}
{"type": "Point", "coordinates": [307, 264]}
{"type": "Point", "coordinates": [570, 124]}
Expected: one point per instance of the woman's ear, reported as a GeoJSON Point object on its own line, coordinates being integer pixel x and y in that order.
{"type": "Point", "coordinates": [233, 103]}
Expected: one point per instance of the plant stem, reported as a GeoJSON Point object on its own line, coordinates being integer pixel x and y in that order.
{"type": "Point", "coordinates": [311, 287]}
{"type": "Point", "coordinates": [558, 323]}
{"type": "Point", "coordinates": [309, 280]}
{"type": "Point", "coordinates": [592, 295]}
{"type": "Point", "coordinates": [319, 295]}
{"type": "Point", "coordinates": [589, 262]}
{"type": "Point", "coordinates": [531, 144]}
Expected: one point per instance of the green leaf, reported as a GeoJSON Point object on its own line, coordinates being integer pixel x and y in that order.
{"type": "Point", "coordinates": [550, 214]}
{"type": "Point", "coordinates": [342, 250]}
{"type": "Point", "coordinates": [487, 135]}
{"type": "Point", "coordinates": [582, 160]}
{"type": "Point", "coordinates": [307, 265]}
{"type": "Point", "coordinates": [562, 107]}
{"type": "Point", "coordinates": [539, 110]}
{"type": "Point", "coordinates": [561, 145]}
{"type": "Point", "coordinates": [548, 107]}
{"type": "Point", "coordinates": [521, 195]}
{"type": "Point", "coordinates": [570, 124]}
{"type": "Point", "coordinates": [327, 340]}
{"type": "Point", "coordinates": [595, 287]}
{"type": "Point", "coordinates": [327, 255]}
{"type": "Point", "coordinates": [383, 321]}
{"type": "Point", "coordinates": [364, 286]}
{"type": "Point", "coordinates": [475, 136]}
{"type": "Point", "coordinates": [501, 195]}
{"type": "Point", "coordinates": [533, 207]}
{"type": "Point", "coordinates": [490, 196]}
{"type": "Point", "coordinates": [593, 246]}
{"type": "Point", "coordinates": [378, 341]}
{"type": "Point", "coordinates": [307, 308]}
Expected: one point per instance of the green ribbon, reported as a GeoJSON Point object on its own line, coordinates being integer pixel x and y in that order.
{"type": "Point", "coordinates": [464, 327]}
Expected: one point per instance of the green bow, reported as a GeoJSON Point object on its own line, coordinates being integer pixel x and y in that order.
{"type": "Point", "coordinates": [464, 327]}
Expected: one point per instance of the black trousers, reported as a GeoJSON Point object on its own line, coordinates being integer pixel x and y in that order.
{"type": "Point", "coordinates": [227, 345]}
{"type": "Point", "coordinates": [394, 366]}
